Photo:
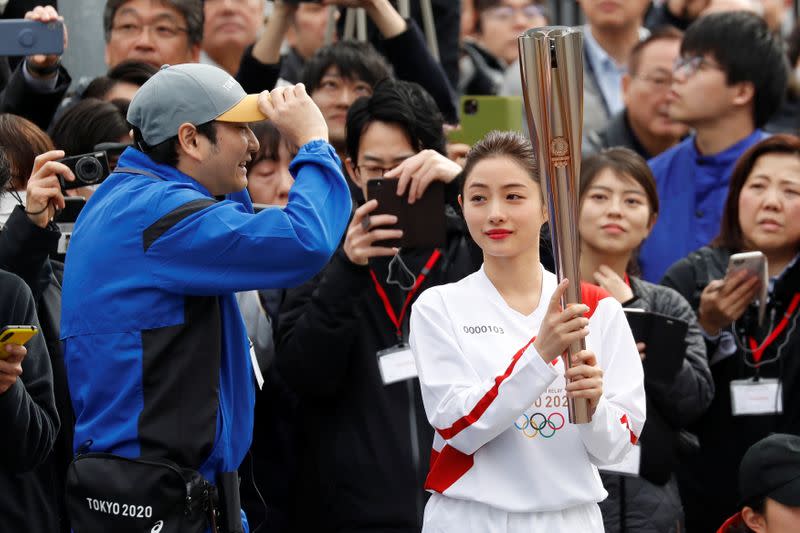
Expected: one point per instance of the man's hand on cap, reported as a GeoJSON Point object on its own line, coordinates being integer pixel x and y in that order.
{"type": "Point", "coordinates": [294, 113]}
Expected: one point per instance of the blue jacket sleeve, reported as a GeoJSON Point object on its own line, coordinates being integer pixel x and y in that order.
{"type": "Point", "coordinates": [224, 247]}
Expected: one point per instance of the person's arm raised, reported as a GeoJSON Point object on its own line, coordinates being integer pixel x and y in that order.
{"type": "Point", "coordinates": [267, 48]}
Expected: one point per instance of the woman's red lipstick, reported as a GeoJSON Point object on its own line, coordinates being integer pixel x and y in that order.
{"type": "Point", "coordinates": [498, 234]}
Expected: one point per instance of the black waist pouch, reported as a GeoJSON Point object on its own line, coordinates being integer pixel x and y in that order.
{"type": "Point", "coordinates": [113, 494]}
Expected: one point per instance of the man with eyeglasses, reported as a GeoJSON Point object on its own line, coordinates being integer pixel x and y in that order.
{"type": "Point", "coordinates": [158, 32]}
{"type": "Point", "coordinates": [487, 55]}
{"type": "Point", "coordinates": [726, 85]}
{"type": "Point", "coordinates": [644, 125]}
{"type": "Point", "coordinates": [364, 442]}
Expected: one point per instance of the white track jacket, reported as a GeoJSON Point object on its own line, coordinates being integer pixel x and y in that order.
{"type": "Point", "coordinates": [499, 411]}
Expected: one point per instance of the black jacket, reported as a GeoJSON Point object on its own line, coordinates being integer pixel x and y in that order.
{"type": "Point", "coordinates": [651, 503]}
{"type": "Point", "coordinates": [364, 447]}
{"type": "Point", "coordinates": [709, 479]}
{"type": "Point", "coordinates": [24, 251]}
{"type": "Point", "coordinates": [18, 98]}
{"type": "Point", "coordinates": [30, 425]}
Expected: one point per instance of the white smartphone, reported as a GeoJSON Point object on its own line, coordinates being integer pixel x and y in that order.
{"type": "Point", "coordinates": [756, 264]}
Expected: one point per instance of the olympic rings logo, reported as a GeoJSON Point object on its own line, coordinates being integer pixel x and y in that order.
{"type": "Point", "coordinates": [539, 424]}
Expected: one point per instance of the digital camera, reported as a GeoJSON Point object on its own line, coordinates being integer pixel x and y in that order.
{"type": "Point", "coordinates": [89, 169]}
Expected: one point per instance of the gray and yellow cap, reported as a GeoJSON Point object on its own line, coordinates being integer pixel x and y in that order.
{"type": "Point", "coordinates": [192, 93]}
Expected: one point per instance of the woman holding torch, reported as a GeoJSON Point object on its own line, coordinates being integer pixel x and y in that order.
{"type": "Point", "coordinates": [487, 350]}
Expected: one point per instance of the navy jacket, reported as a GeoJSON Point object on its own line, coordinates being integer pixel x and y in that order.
{"type": "Point", "coordinates": [156, 350]}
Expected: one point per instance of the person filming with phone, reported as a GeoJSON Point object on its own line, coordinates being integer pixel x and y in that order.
{"type": "Point", "coordinates": [342, 338]}
{"type": "Point", "coordinates": [752, 339]}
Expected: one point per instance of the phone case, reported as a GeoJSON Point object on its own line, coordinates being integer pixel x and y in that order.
{"type": "Point", "coordinates": [423, 222]}
{"type": "Point", "coordinates": [15, 335]}
{"type": "Point", "coordinates": [482, 114]}
{"type": "Point", "coordinates": [20, 37]}
{"type": "Point", "coordinates": [756, 263]}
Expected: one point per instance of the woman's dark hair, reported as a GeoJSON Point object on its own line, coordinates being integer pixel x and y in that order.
{"type": "Point", "coordinates": [403, 103]}
{"type": "Point", "coordinates": [507, 144]}
{"type": "Point", "coordinates": [269, 140]}
{"type": "Point", "coordinates": [730, 234]}
{"type": "Point", "coordinates": [86, 124]}
{"type": "Point", "coordinates": [22, 141]}
{"type": "Point", "coordinates": [133, 72]}
{"type": "Point", "coordinates": [623, 162]}
{"type": "Point", "coordinates": [166, 152]}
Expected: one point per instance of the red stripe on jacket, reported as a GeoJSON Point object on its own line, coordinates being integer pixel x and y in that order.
{"type": "Point", "coordinates": [447, 467]}
{"type": "Point", "coordinates": [485, 401]}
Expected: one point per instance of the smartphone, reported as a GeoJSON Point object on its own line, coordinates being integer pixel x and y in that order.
{"type": "Point", "coordinates": [423, 222]}
{"type": "Point", "coordinates": [15, 335]}
{"type": "Point", "coordinates": [21, 37]}
{"type": "Point", "coordinates": [756, 264]}
{"type": "Point", "coordinates": [482, 114]}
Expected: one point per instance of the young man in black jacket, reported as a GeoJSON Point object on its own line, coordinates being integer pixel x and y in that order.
{"type": "Point", "coordinates": [364, 441]}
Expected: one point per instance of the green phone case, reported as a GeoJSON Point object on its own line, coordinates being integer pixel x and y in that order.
{"type": "Point", "coordinates": [482, 114]}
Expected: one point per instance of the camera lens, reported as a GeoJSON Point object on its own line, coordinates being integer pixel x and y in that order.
{"type": "Point", "coordinates": [88, 170]}
{"type": "Point", "coordinates": [470, 107]}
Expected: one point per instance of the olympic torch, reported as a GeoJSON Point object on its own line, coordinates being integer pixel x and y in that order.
{"type": "Point", "coordinates": [551, 64]}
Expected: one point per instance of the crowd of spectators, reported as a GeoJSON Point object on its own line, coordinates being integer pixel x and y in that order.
{"type": "Point", "coordinates": [691, 154]}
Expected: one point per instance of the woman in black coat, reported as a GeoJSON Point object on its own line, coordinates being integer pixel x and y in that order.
{"type": "Point", "coordinates": [762, 213]}
{"type": "Point", "coordinates": [619, 205]}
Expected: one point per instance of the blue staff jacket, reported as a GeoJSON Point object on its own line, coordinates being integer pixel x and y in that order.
{"type": "Point", "coordinates": [156, 350]}
{"type": "Point", "coordinates": [692, 189]}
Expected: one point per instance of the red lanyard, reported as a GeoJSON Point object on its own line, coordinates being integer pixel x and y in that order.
{"type": "Point", "coordinates": [758, 351]}
{"type": "Point", "coordinates": [398, 320]}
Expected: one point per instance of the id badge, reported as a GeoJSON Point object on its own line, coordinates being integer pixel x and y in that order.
{"type": "Point", "coordinates": [396, 364]}
{"type": "Point", "coordinates": [629, 466]}
{"type": "Point", "coordinates": [762, 397]}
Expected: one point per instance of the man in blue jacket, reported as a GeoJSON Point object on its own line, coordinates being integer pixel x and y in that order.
{"type": "Point", "coordinates": [155, 346]}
